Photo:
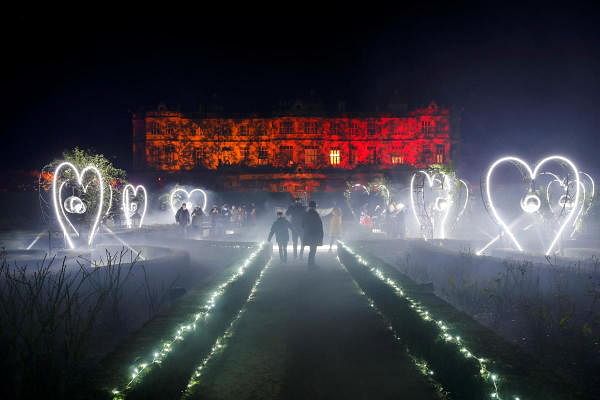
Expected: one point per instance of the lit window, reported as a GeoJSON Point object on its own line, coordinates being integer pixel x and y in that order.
{"type": "Point", "coordinates": [396, 159]}
{"type": "Point", "coordinates": [334, 157]}
{"type": "Point", "coordinates": [244, 129]}
{"type": "Point", "coordinates": [439, 154]}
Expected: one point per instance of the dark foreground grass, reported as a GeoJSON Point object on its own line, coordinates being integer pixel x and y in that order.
{"type": "Point", "coordinates": [519, 375]}
{"type": "Point", "coordinates": [168, 379]}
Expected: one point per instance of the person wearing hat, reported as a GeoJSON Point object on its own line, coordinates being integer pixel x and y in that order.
{"type": "Point", "coordinates": [312, 227]}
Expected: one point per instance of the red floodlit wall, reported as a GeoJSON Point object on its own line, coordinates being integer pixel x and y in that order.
{"type": "Point", "coordinates": [172, 141]}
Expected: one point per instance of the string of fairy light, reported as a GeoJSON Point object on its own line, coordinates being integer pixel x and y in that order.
{"type": "Point", "coordinates": [490, 378]}
{"type": "Point", "coordinates": [139, 370]}
{"type": "Point", "coordinates": [421, 365]}
{"type": "Point", "coordinates": [222, 341]}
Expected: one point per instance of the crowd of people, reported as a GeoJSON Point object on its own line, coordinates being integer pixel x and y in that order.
{"type": "Point", "coordinates": [218, 219]}
{"type": "Point", "coordinates": [299, 224]}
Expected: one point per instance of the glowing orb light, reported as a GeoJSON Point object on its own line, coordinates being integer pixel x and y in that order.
{"type": "Point", "coordinates": [59, 208]}
{"type": "Point", "coordinates": [174, 199]}
{"type": "Point", "coordinates": [531, 203]}
{"type": "Point", "coordinates": [129, 207]}
{"type": "Point", "coordinates": [74, 205]}
{"type": "Point", "coordinates": [441, 204]}
{"type": "Point", "coordinates": [565, 201]}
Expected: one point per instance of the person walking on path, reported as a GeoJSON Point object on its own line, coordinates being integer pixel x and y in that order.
{"type": "Point", "coordinates": [182, 217]}
{"type": "Point", "coordinates": [335, 226]}
{"type": "Point", "coordinates": [280, 229]}
{"type": "Point", "coordinates": [312, 236]}
{"type": "Point", "coordinates": [296, 213]}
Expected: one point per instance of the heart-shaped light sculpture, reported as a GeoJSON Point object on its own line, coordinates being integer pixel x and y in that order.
{"type": "Point", "coordinates": [128, 210]}
{"type": "Point", "coordinates": [437, 218]}
{"type": "Point", "coordinates": [531, 203]}
{"type": "Point", "coordinates": [188, 195]}
{"type": "Point", "coordinates": [59, 210]}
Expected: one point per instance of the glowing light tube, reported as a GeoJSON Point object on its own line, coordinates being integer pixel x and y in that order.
{"type": "Point", "coordinates": [188, 195]}
{"type": "Point", "coordinates": [127, 203]}
{"type": "Point", "coordinates": [58, 206]}
{"type": "Point", "coordinates": [532, 174]}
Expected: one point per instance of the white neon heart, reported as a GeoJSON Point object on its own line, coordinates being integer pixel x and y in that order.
{"type": "Point", "coordinates": [127, 203]}
{"type": "Point", "coordinates": [464, 207]}
{"type": "Point", "coordinates": [431, 180]}
{"type": "Point", "coordinates": [58, 205]}
{"type": "Point", "coordinates": [188, 196]}
{"type": "Point", "coordinates": [532, 174]}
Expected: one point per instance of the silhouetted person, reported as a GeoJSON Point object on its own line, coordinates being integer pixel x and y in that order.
{"type": "Point", "coordinates": [312, 232]}
{"type": "Point", "coordinates": [197, 217]}
{"type": "Point", "coordinates": [182, 217]}
{"type": "Point", "coordinates": [280, 229]}
{"type": "Point", "coordinates": [296, 213]}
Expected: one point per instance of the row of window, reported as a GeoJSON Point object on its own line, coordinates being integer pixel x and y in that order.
{"type": "Point", "coordinates": [287, 127]}
{"type": "Point", "coordinates": [312, 155]}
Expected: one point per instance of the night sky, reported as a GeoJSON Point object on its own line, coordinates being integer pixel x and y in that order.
{"type": "Point", "coordinates": [526, 78]}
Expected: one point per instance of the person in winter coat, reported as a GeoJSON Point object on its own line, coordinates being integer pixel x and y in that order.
{"type": "Point", "coordinates": [296, 213]}
{"type": "Point", "coordinates": [280, 229]}
{"type": "Point", "coordinates": [182, 217]}
{"type": "Point", "coordinates": [197, 217]}
{"type": "Point", "coordinates": [335, 226]}
{"type": "Point", "coordinates": [312, 228]}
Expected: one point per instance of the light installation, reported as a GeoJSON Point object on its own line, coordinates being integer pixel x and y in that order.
{"type": "Point", "coordinates": [490, 378]}
{"type": "Point", "coordinates": [450, 197]}
{"type": "Point", "coordinates": [588, 189]}
{"type": "Point", "coordinates": [59, 206]}
{"type": "Point", "coordinates": [531, 202]}
{"type": "Point", "coordinates": [366, 198]}
{"type": "Point", "coordinates": [176, 198]}
{"type": "Point", "coordinates": [130, 208]}
{"type": "Point", "coordinates": [141, 369]}
{"type": "Point", "coordinates": [222, 341]}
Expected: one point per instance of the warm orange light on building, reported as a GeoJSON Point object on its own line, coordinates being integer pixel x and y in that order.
{"type": "Point", "coordinates": [171, 141]}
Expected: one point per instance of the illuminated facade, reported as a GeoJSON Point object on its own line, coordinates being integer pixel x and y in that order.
{"type": "Point", "coordinates": [291, 152]}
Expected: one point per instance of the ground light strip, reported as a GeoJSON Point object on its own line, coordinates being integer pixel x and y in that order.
{"type": "Point", "coordinates": [221, 342]}
{"type": "Point", "coordinates": [489, 377]}
{"type": "Point", "coordinates": [140, 370]}
{"type": "Point", "coordinates": [421, 365]}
